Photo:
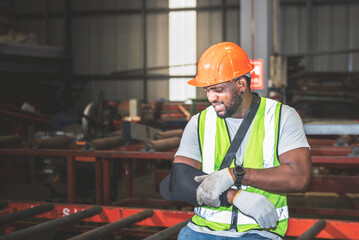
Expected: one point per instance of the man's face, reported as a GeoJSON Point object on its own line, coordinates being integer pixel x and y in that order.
{"type": "Point", "coordinates": [225, 98]}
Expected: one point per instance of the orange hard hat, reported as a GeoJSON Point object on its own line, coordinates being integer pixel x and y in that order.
{"type": "Point", "coordinates": [221, 63]}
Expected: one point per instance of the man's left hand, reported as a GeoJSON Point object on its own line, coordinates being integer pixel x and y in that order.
{"type": "Point", "coordinates": [212, 186]}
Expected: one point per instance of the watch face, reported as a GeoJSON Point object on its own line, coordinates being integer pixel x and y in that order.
{"type": "Point", "coordinates": [240, 170]}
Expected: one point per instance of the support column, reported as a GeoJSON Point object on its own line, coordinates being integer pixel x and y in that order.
{"type": "Point", "coordinates": [256, 33]}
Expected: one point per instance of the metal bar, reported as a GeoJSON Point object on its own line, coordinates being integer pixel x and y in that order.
{"type": "Point", "coordinates": [111, 227]}
{"type": "Point", "coordinates": [52, 142]}
{"type": "Point", "coordinates": [10, 140]}
{"type": "Point", "coordinates": [52, 224]}
{"type": "Point", "coordinates": [313, 230]}
{"type": "Point", "coordinates": [169, 232]}
{"type": "Point", "coordinates": [106, 176]}
{"type": "Point", "coordinates": [316, 160]}
{"type": "Point", "coordinates": [108, 154]}
{"type": "Point", "coordinates": [139, 70]}
{"type": "Point", "coordinates": [105, 143]}
{"type": "Point", "coordinates": [46, 21]}
{"type": "Point", "coordinates": [67, 91]}
{"type": "Point", "coordinates": [341, 161]}
{"type": "Point", "coordinates": [331, 128]}
{"type": "Point", "coordinates": [24, 116]}
{"type": "Point", "coordinates": [98, 181]}
{"type": "Point", "coordinates": [128, 175]}
{"type": "Point", "coordinates": [321, 142]}
{"type": "Point", "coordinates": [150, 202]}
{"type": "Point", "coordinates": [335, 229]}
{"type": "Point", "coordinates": [161, 218]}
{"type": "Point", "coordinates": [12, 217]}
{"type": "Point", "coordinates": [301, 3]}
{"type": "Point", "coordinates": [224, 22]}
{"type": "Point", "coordinates": [335, 151]}
{"type": "Point", "coordinates": [71, 183]}
{"type": "Point", "coordinates": [144, 33]}
{"type": "Point", "coordinates": [310, 54]}
{"type": "Point", "coordinates": [338, 184]}
{"type": "Point", "coordinates": [348, 200]}
{"type": "Point", "coordinates": [99, 77]}
{"type": "Point", "coordinates": [324, 211]}
{"type": "Point", "coordinates": [308, 31]}
{"type": "Point", "coordinates": [107, 12]}
{"type": "Point", "coordinates": [252, 29]}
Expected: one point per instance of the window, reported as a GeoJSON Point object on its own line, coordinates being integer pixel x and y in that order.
{"type": "Point", "coordinates": [182, 49]}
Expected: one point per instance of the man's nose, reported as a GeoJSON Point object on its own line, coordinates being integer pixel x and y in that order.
{"type": "Point", "coordinates": [212, 96]}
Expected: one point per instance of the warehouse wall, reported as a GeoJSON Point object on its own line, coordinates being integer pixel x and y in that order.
{"type": "Point", "coordinates": [334, 28]}
{"type": "Point", "coordinates": [105, 44]}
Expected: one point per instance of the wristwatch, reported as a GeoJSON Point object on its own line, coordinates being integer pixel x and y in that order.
{"type": "Point", "coordinates": [239, 172]}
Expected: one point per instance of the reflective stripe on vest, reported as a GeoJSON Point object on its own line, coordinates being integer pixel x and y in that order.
{"type": "Point", "coordinates": [209, 141]}
{"type": "Point", "coordinates": [225, 216]}
{"type": "Point", "coordinates": [259, 153]}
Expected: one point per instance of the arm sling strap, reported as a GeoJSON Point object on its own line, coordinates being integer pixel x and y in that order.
{"type": "Point", "coordinates": [180, 185]}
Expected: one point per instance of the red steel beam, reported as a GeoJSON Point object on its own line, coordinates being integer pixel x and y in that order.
{"type": "Point", "coordinates": [324, 211]}
{"type": "Point", "coordinates": [98, 181]}
{"type": "Point", "coordinates": [127, 165]}
{"type": "Point", "coordinates": [106, 177]}
{"type": "Point", "coordinates": [71, 180]}
{"type": "Point", "coordinates": [160, 218]}
{"type": "Point", "coordinates": [105, 154]}
{"type": "Point", "coordinates": [331, 151]}
{"type": "Point", "coordinates": [321, 142]}
{"type": "Point", "coordinates": [316, 160]}
{"type": "Point", "coordinates": [341, 161]}
{"type": "Point", "coordinates": [339, 184]}
{"type": "Point", "coordinates": [25, 116]}
{"type": "Point", "coordinates": [335, 229]}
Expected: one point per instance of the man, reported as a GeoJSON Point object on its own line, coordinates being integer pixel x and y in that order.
{"type": "Point", "coordinates": [246, 198]}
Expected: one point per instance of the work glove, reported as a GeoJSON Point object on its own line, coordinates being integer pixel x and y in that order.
{"type": "Point", "coordinates": [212, 186]}
{"type": "Point", "coordinates": [258, 207]}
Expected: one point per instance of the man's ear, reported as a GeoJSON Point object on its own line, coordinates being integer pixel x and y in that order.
{"type": "Point", "coordinates": [241, 84]}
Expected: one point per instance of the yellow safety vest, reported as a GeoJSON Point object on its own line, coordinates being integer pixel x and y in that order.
{"type": "Point", "coordinates": [261, 152]}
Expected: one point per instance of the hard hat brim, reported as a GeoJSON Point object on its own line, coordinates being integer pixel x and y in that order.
{"type": "Point", "coordinates": [194, 81]}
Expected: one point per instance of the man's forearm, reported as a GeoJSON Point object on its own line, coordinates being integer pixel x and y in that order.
{"type": "Point", "coordinates": [293, 175]}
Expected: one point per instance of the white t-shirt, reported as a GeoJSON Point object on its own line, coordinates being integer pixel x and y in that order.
{"type": "Point", "coordinates": [291, 136]}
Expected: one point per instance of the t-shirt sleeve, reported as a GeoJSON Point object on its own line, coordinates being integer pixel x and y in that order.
{"type": "Point", "coordinates": [189, 146]}
{"type": "Point", "coordinates": [291, 135]}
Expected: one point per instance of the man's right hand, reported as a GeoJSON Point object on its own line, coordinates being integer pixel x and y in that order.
{"type": "Point", "coordinates": [258, 207]}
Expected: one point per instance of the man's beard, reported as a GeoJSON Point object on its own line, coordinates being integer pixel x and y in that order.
{"type": "Point", "coordinates": [233, 106]}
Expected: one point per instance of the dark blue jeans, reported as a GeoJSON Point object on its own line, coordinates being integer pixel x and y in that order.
{"type": "Point", "coordinates": [188, 234]}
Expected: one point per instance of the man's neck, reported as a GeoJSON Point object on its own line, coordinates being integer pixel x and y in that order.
{"type": "Point", "coordinates": [247, 100]}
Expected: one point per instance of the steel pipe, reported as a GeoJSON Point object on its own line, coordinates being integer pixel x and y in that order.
{"type": "Point", "coordinates": [52, 224]}
{"type": "Point", "coordinates": [168, 134]}
{"type": "Point", "coordinates": [105, 143]}
{"type": "Point", "coordinates": [163, 144]}
{"type": "Point", "coordinates": [26, 213]}
{"type": "Point", "coordinates": [52, 142]}
{"type": "Point", "coordinates": [10, 140]}
{"type": "Point", "coordinates": [313, 230]}
{"type": "Point", "coordinates": [111, 227]}
{"type": "Point", "coordinates": [168, 232]}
